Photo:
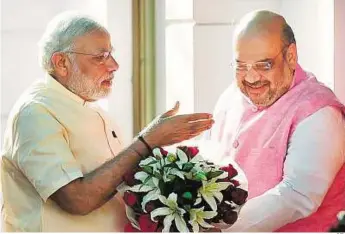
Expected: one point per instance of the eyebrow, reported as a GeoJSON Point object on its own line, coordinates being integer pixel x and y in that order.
{"type": "Point", "coordinates": [102, 50]}
{"type": "Point", "coordinates": [259, 61]}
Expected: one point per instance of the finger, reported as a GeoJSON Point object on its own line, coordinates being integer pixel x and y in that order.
{"type": "Point", "coordinates": [195, 116]}
{"type": "Point", "coordinates": [200, 126]}
{"type": "Point", "coordinates": [188, 132]}
{"type": "Point", "coordinates": [172, 111]}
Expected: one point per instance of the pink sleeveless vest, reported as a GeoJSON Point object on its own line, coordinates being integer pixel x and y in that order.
{"type": "Point", "coordinates": [258, 140]}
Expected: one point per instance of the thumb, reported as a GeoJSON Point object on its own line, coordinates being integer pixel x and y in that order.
{"type": "Point", "coordinates": [172, 111]}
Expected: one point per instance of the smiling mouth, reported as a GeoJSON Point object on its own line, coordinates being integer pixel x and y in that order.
{"type": "Point", "coordinates": [256, 90]}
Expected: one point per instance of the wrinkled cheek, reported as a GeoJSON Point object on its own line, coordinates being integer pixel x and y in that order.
{"type": "Point", "coordinates": [240, 85]}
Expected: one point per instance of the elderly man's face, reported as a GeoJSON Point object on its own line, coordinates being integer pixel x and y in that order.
{"type": "Point", "coordinates": [91, 74]}
{"type": "Point", "coordinates": [262, 72]}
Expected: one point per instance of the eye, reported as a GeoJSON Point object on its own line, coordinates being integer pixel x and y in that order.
{"type": "Point", "coordinates": [263, 66]}
{"type": "Point", "coordinates": [240, 67]}
{"type": "Point", "coordinates": [99, 57]}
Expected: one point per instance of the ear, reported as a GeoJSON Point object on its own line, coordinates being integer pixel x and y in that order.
{"type": "Point", "coordinates": [291, 56]}
{"type": "Point", "coordinates": [60, 63]}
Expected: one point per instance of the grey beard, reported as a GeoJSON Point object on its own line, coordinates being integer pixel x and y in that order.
{"type": "Point", "coordinates": [79, 85]}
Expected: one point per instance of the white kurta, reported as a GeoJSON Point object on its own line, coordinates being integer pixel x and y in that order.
{"type": "Point", "coordinates": [52, 138]}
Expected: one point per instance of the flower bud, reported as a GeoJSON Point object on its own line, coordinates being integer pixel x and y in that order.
{"type": "Point", "coordinates": [239, 196]}
{"type": "Point", "coordinates": [146, 224]}
{"type": "Point", "coordinates": [130, 198]}
{"type": "Point", "coordinates": [230, 217]}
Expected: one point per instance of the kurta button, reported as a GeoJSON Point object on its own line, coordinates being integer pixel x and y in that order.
{"type": "Point", "coordinates": [254, 109]}
{"type": "Point", "coordinates": [235, 144]}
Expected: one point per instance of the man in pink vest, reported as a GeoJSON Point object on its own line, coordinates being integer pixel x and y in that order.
{"type": "Point", "coordinates": [284, 129]}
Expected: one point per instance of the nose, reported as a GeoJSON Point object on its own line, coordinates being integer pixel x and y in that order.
{"type": "Point", "coordinates": [252, 76]}
{"type": "Point", "coordinates": [112, 64]}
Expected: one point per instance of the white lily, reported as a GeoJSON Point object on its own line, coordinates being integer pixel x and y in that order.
{"type": "Point", "coordinates": [170, 171]}
{"type": "Point", "coordinates": [198, 216]}
{"type": "Point", "coordinates": [171, 212]}
{"type": "Point", "coordinates": [153, 194]}
{"type": "Point", "coordinates": [183, 158]}
{"type": "Point", "coordinates": [157, 161]}
{"type": "Point", "coordinates": [150, 186]}
{"type": "Point", "coordinates": [147, 161]}
{"type": "Point", "coordinates": [197, 160]}
{"type": "Point", "coordinates": [157, 153]}
{"type": "Point", "coordinates": [211, 190]}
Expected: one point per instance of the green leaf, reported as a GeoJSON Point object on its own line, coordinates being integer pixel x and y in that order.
{"type": "Point", "coordinates": [187, 166]}
{"type": "Point", "coordinates": [158, 175]}
{"type": "Point", "coordinates": [200, 176]}
{"type": "Point", "coordinates": [171, 165]}
{"type": "Point", "coordinates": [213, 174]}
{"type": "Point", "coordinates": [148, 169]}
{"type": "Point", "coordinates": [161, 186]}
{"type": "Point", "coordinates": [147, 179]}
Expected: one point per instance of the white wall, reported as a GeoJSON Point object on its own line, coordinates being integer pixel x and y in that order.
{"type": "Point", "coordinates": [214, 22]}
{"type": "Point", "coordinates": [313, 25]}
{"type": "Point", "coordinates": [213, 31]}
{"type": "Point", "coordinates": [119, 15]}
{"type": "Point", "coordinates": [23, 23]}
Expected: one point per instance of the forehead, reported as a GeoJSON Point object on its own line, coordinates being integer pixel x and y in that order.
{"type": "Point", "coordinates": [97, 41]}
{"type": "Point", "coordinates": [256, 48]}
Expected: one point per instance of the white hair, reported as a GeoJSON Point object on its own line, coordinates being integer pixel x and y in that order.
{"type": "Point", "coordinates": [61, 33]}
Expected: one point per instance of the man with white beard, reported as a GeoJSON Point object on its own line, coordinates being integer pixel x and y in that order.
{"type": "Point", "coordinates": [63, 158]}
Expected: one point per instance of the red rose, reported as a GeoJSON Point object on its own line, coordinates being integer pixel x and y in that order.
{"type": "Point", "coordinates": [146, 224]}
{"type": "Point", "coordinates": [239, 196]}
{"type": "Point", "coordinates": [190, 151]}
{"type": "Point", "coordinates": [164, 152]}
{"type": "Point", "coordinates": [129, 228]}
{"type": "Point", "coordinates": [150, 206]}
{"type": "Point", "coordinates": [230, 217]}
{"type": "Point", "coordinates": [235, 183]}
{"type": "Point", "coordinates": [193, 151]}
{"type": "Point", "coordinates": [232, 172]}
{"type": "Point", "coordinates": [130, 198]}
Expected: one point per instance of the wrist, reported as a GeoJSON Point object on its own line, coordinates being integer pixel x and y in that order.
{"type": "Point", "coordinates": [140, 148]}
{"type": "Point", "coordinates": [151, 142]}
{"type": "Point", "coordinates": [147, 145]}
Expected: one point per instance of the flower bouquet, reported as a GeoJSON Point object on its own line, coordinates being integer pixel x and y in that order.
{"type": "Point", "coordinates": [180, 191]}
